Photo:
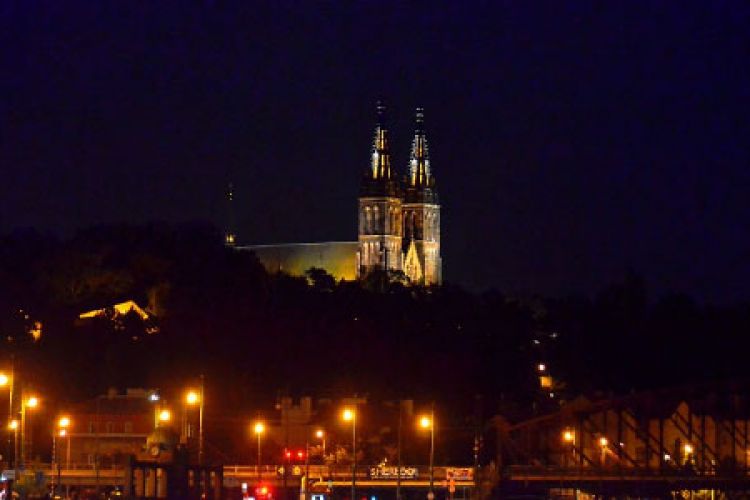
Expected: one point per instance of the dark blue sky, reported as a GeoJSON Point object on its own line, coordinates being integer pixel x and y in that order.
{"type": "Point", "coordinates": [570, 140]}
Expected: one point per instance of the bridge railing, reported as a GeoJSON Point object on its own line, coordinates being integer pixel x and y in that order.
{"type": "Point", "coordinates": [555, 471]}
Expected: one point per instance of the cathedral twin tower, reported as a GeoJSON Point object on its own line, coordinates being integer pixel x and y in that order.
{"type": "Point", "coordinates": [399, 220]}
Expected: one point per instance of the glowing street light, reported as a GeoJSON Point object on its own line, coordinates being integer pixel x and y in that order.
{"type": "Point", "coordinates": [603, 444]}
{"type": "Point", "coordinates": [350, 415]}
{"type": "Point", "coordinates": [30, 402]}
{"type": "Point", "coordinates": [259, 428]}
{"type": "Point", "coordinates": [428, 422]}
{"type": "Point", "coordinates": [4, 379]}
{"type": "Point", "coordinates": [192, 397]}
{"type": "Point", "coordinates": [62, 431]}
{"type": "Point", "coordinates": [165, 416]}
{"type": "Point", "coordinates": [321, 434]}
{"type": "Point", "coordinates": [688, 449]}
{"type": "Point", "coordinates": [568, 436]}
{"type": "Point", "coordinates": [14, 425]}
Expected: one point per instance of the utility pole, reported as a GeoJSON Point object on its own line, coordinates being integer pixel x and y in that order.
{"type": "Point", "coordinates": [200, 423]}
{"type": "Point", "coordinates": [398, 453]}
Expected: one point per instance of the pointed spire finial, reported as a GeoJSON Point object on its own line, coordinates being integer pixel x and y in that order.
{"type": "Point", "coordinates": [381, 113]}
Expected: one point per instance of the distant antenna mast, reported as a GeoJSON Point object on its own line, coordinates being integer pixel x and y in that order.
{"type": "Point", "coordinates": [230, 236]}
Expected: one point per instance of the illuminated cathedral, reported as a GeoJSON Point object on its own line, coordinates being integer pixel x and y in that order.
{"type": "Point", "coordinates": [399, 222]}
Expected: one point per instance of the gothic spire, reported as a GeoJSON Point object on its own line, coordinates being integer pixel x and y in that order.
{"type": "Point", "coordinates": [419, 160]}
{"type": "Point", "coordinates": [379, 179]}
{"type": "Point", "coordinates": [381, 155]}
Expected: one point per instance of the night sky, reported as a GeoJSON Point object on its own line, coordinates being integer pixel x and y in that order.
{"type": "Point", "coordinates": [571, 141]}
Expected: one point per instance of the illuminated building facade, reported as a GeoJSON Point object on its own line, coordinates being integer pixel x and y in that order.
{"type": "Point", "coordinates": [399, 222]}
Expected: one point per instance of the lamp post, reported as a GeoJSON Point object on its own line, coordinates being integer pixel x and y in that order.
{"type": "Point", "coordinates": [259, 428]}
{"type": "Point", "coordinates": [603, 444]}
{"type": "Point", "coordinates": [62, 432]}
{"type": "Point", "coordinates": [13, 425]}
{"type": "Point", "coordinates": [164, 416]}
{"type": "Point", "coordinates": [6, 380]}
{"type": "Point", "coordinates": [398, 453]}
{"type": "Point", "coordinates": [30, 402]}
{"type": "Point", "coordinates": [193, 398]}
{"type": "Point", "coordinates": [428, 422]}
{"type": "Point", "coordinates": [200, 423]}
{"type": "Point", "coordinates": [321, 434]}
{"type": "Point", "coordinates": [569, 437]}
{"type": "Point", "coordinates": [350, 415]}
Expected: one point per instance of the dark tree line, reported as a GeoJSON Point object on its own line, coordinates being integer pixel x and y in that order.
{"type": "Point", "coordinates": [256, 335]}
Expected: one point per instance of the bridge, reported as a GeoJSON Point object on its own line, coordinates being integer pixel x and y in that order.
{"type": "Point", "coordinates": [647, 444]}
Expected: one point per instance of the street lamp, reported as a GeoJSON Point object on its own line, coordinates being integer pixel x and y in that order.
{"type": "Point", "coordinates": [321, 434]}
{"type": "Point", "coordinates": [7, 381]}
{"type": "Point", "coordinates": [259, 428]}
{"type": "Point", "coordinates": [13, 426]}
{"type": "Point", "coordinates": [30, 402]}
{"type": "Point", "coordinates": [428, 422]}
{"type": "Point", "coordinates": [193, 398]}
{"type": "Point", "coordinates": [62, 425]}
{"type": "Point", "coordinates": [603, 444]}
{"type": "Point", "coordinates": [688, 449]}
{"type": "Point", "coordinates": [165, 416]}
{"type": "Point", "coordinates": [62, 431]}
{"type": "Point", "coordinates": [350, 415]}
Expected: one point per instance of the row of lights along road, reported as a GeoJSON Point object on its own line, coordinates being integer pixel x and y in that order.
{"type": "Point", "coordinates": [569, 436]}
{"type": "Point", "coordinates": [193, 398]}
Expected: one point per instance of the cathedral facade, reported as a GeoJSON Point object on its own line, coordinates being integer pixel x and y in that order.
{"type": "Point", "coordinates": [399, 219]}
{"type": "Point", "coordinates": [399, 222]}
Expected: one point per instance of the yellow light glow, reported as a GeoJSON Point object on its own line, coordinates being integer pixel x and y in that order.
{"type": "Point", "coordinates": [192, 398]}
{"type": "Point", "coordinates": [319, 434]}
{"type": "Point", "coordinates": [63, 422]}
{"type": "Point", "coordinates": [165, 415]}
{"type": "Point", "coordinates": [32, 402]}
{"type": "Point", "coordinates": [4, 379]}
{"type": "Point", "coordinates": [603, 442]}
{"type": "Point", "coordinates": [348, 414]}
{"type": "Point", "coordinates": [545, 382]}
{"type": "Point", "coordinates": [13, 425]}
{"type": "Point", "coordinates": [259, 428]}
{"type": "Point", "coordinates": [123, 308]}
{"type": "Point", "coordinates": [688, 448]}
{"type": "Point", "coordinates": [425, 422]}
{"type": "Point", "coordinates": [568, 436]}
{"type": "Point", "coordinates": [62, 433]}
